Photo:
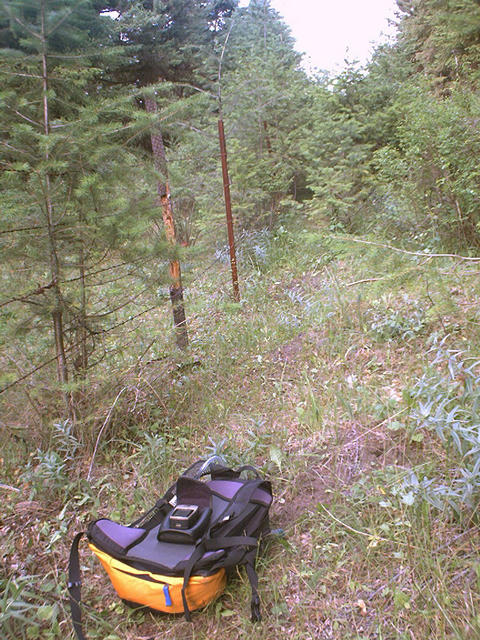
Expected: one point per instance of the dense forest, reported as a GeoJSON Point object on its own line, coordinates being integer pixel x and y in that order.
{"type": "Point", "coordinates": [347, 367]}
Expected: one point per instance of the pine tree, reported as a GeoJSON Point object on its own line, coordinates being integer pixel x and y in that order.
{"type": "Point", "coordinates": [262, 92]}
{"type": "Point", "coordinates": [172, 43]}
{"type": "Point", "coordinates": [66, 174]}
{"type": "Point", "coordinates": [36, 32]}
{"type": "Point", "coordinates": [442, 38]}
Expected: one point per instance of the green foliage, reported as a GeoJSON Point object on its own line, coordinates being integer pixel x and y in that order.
{"type": "Point", "coordinates": [46, 473]}
{"type": "Point", "coordinates": [30, 608]}
{"type": "Point", "coordinates": [394, 145]}
{"type": "Point", "coordinates": [447, 403]}
{"type": "Point", "coordinates": [389, 323]}
{"type": "Point", "coordinates": [169, 40]}
{"type": "Point", "coordinates": [65, 443]}
{"type": "Point", "coordinates": [77, 194]}
{"type": "Point", "coordinates": [431, 168]}
{"type": "Point", "coordinates": [260, 92]}
{"type": "Point", "coordinates": [441, 37]}
{"type": "Point", "coordinates": [16, 605]}
{"type": "Point", "coordinates": [337, 150]}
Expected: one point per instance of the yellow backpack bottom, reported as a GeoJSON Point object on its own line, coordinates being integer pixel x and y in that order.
{"type": "Point", "coordinates": [163, 593]}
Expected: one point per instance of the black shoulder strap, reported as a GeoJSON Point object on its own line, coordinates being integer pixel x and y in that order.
{"type": "Point", "coordinates": [253, 579]}
{"type": "Point", "coordinates": [248, 544]}
{"type": "Point", "coordinates": [74, 586]}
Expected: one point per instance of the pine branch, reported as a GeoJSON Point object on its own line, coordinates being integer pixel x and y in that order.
{"type": "Point", "coordinates": [22, 24]}
{"type": "Point", "coordinates": [36, 292]}
{"type": "Point", "coordinates": [9, 146]}
{"type": "Point", "coordinates": [19, 229]}
{"type": "Point", "coordinates": [73, 346]}
{"type": "Point", "coordinates": [21, 115]}
{"type": "Point", "coordinates": [122, 305]}
{"type": "Point", "coordinates": [49, 32]}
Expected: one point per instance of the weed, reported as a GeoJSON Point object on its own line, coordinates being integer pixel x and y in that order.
{"type": "Point", "coordinates": [64, 441]}
{"type": "Point", "coordinates": [389, 323]}
{"type": "Point", "coordinates": [152, 454]}
{"type": "Point", "coordinates": [24, 612]}
{"type": "Point", "coordinates": [252, 248]}
{"type": "Point", "coordinates": [448, 404]}
{"type": "Point", "coordinates": [46, 474]}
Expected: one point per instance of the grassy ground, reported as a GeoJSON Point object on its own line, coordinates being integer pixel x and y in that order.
{"type": "Point", "coordinates": [337, 375]}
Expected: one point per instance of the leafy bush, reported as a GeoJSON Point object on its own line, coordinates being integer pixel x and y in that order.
{"type": "Point", "coordinates": [447, 402]}
{"type": "Point", "coordinates": [431, 168]}
{"type": "Point", "coordinates": [46, 473]}
{"type": "Point", "coordinates": [65, 442]}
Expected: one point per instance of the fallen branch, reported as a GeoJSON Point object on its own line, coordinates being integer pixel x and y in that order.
{"type": "Point", "coordinates": [421, 254]}
{"type": "Point", "coordinates": [352, 284]}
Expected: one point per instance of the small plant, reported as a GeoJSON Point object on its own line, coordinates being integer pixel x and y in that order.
{"type": "Point", "coordinates": [306, 303]}
{"type": "Point", "coordinates": [447, 402]}
{"type": "Point", "coordinates": [46, 474]}
{"type": "Point", "coordinates": [152, 453]}
{"type": "Point", "coordinates": [388, 324]}
{"type": "Point", "coordinates": [64, 441]}
{"type": "Point", "coordinates": [17, 606]}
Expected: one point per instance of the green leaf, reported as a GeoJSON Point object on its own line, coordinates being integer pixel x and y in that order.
{"type": "Point", "coordinates": [276, 455]}
{"type": "Point", "coordinates": [408, 498]}
{"type": "Point", "coordinates": [395, 425]}
{"type": "Point", "coordinates": [417, 437]}
{"type": "Point", "coordinates": [46, 612]}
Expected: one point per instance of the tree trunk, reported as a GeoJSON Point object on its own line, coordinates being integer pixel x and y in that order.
{"type": "Point", "coordinates": [165, 201]}
{"type": "Point", "coordinates": [81, 360]}
{"type": "Point", "coordinates": [57, 313]}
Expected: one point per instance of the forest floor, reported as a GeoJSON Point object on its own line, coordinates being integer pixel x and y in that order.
{"type": "Point", "coordinates": [336, 375]}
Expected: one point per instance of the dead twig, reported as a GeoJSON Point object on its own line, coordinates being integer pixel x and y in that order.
{"type": "Point", "coordinates": [104, 426]}
{"type": "Point", "coordinates": [352, 284]}
{"type": "Point", "coordinates": [7, 487]}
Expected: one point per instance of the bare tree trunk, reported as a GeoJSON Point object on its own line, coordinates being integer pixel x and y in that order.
{"type": "Point", "coordinates": [225, 177]}
{"type": "Point", "coordinates": [267, 137]}
{"type": "Point", "coordinates": [163, 190]}
{"type": "Point", "coordinates": [228, 210]}
{"type": "Point", "coordinates": [81, 361]}
{"type": "Point", "coordinates": [57, 314]}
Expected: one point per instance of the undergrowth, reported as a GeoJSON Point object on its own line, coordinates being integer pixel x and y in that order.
{"type": "Point", "coordinates": [347, 373]}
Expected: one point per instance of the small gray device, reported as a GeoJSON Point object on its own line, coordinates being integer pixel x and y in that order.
{"type": "Point", "coordinates": [184, 516]}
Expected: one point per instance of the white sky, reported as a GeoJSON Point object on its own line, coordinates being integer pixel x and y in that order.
{"type": "Point", "coordinates": [329, 30]}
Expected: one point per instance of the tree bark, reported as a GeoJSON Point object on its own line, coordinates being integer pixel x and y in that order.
{"type": "Point", "coordinates": [165, 201]}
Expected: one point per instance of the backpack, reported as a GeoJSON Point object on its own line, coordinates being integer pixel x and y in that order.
{"type": "Point", "coordinates": [175, 557]}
